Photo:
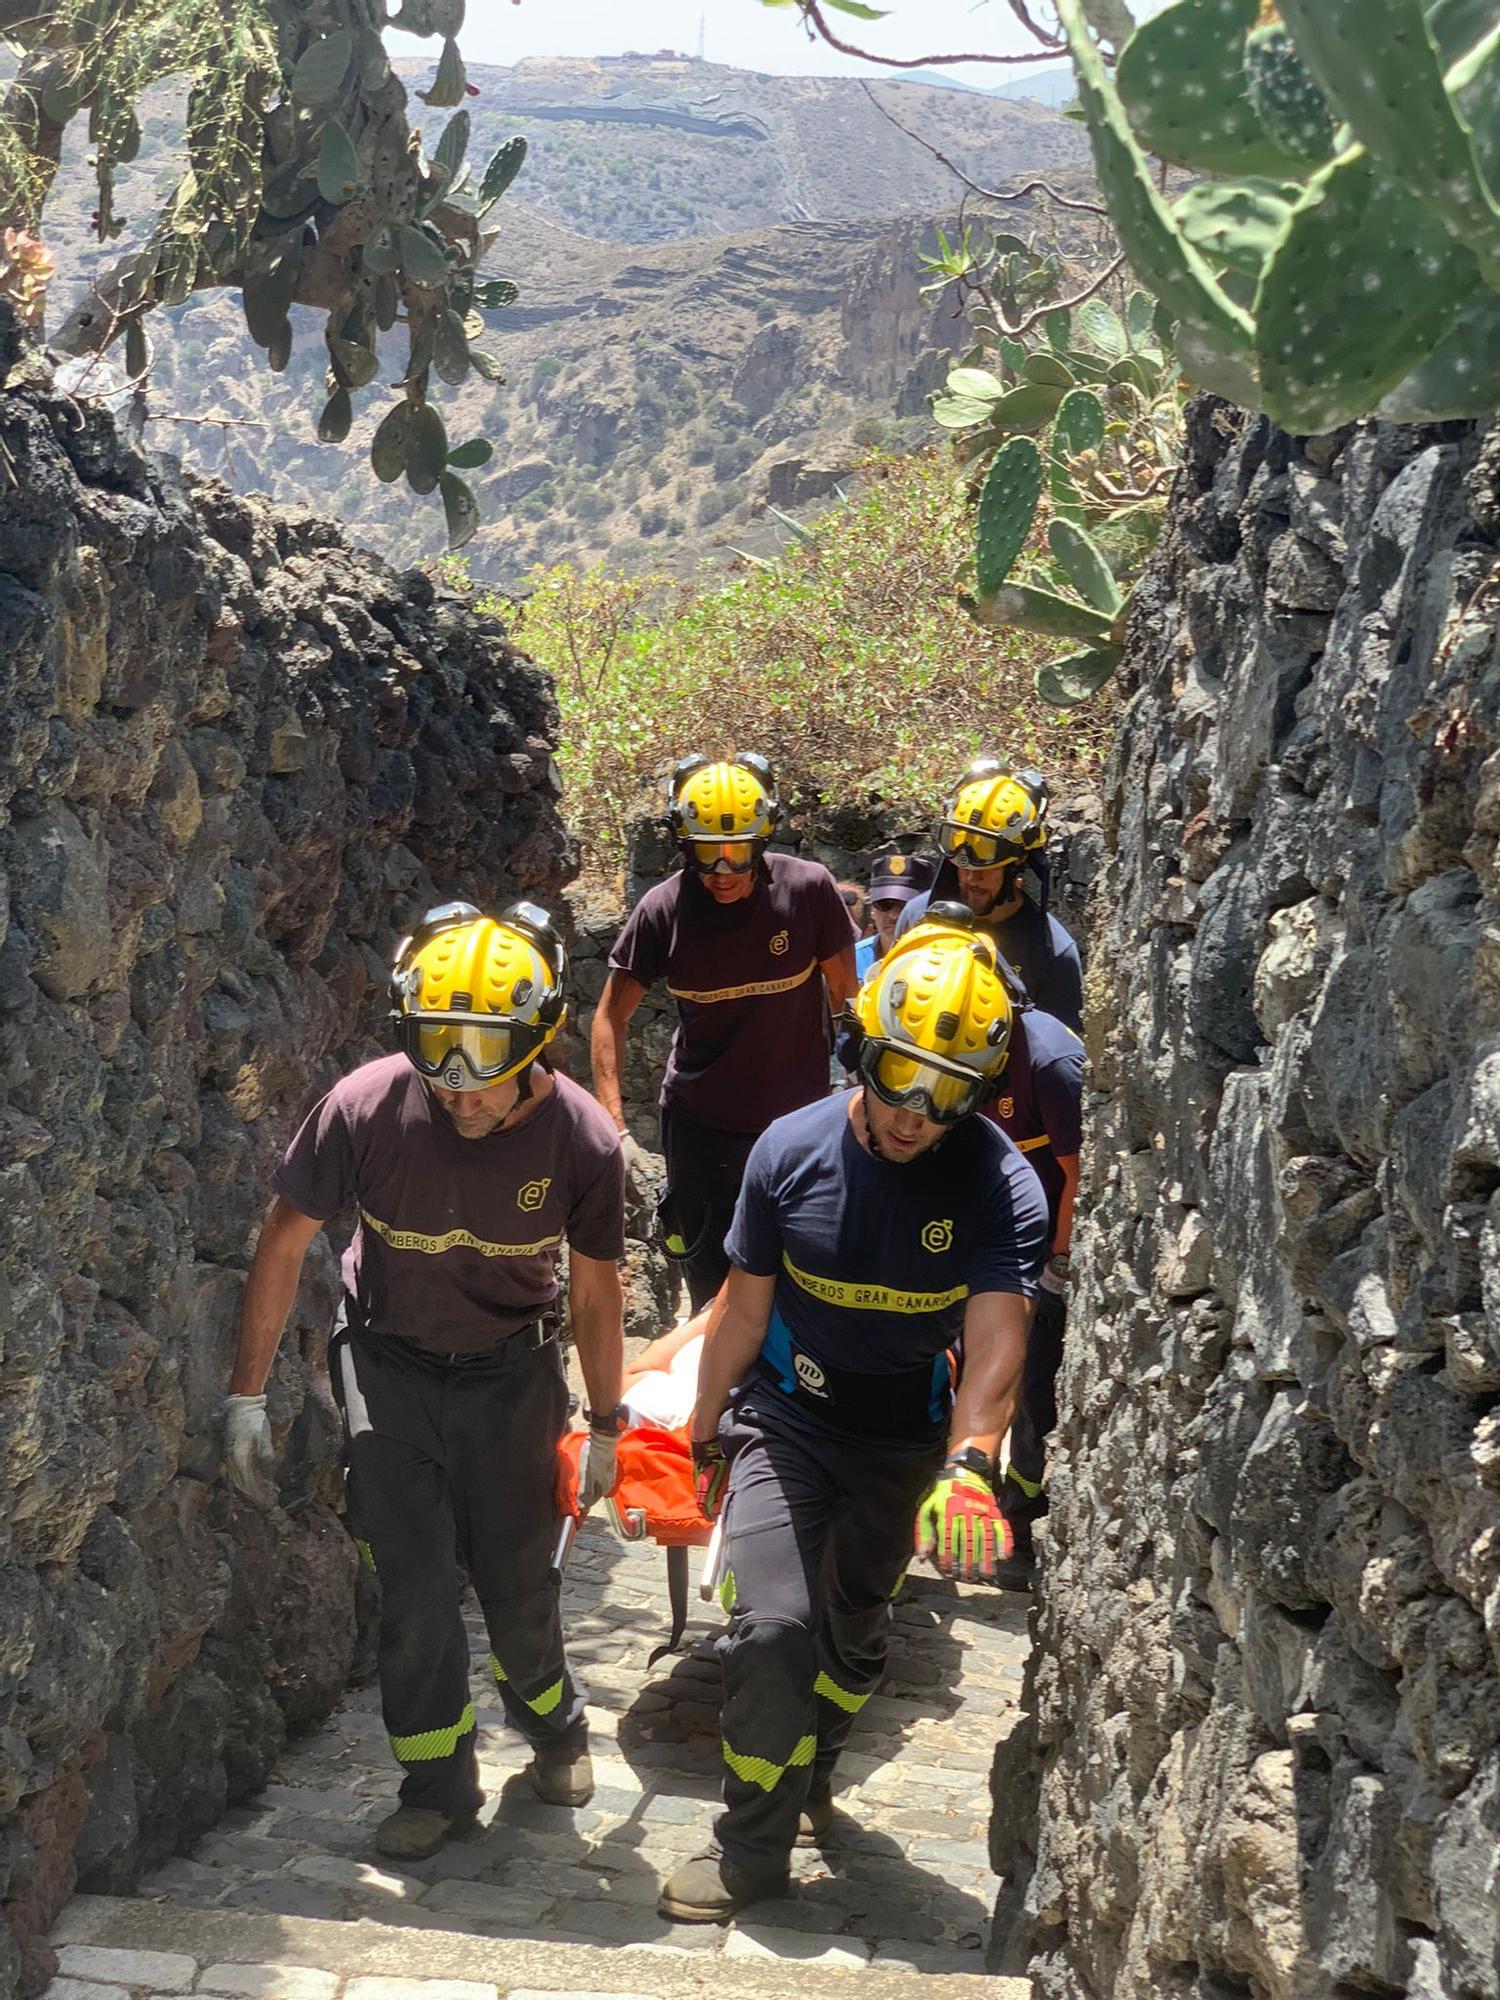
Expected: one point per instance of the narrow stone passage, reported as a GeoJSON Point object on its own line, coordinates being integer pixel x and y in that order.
{"type": "Point", "coordinates": [907, 1886]}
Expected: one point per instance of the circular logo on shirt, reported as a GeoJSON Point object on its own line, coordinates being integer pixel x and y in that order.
{"type": "Point", "coordinates": [938, 1235]}
{"type": "Point", "coordinates": [780, 943]}
{"type": "Point", "coordinates": [810, 1375]}
{"type": "Point", "coordinates": [1006, 1107]}
{"type": "Point", "coordinates": [532, 1195]}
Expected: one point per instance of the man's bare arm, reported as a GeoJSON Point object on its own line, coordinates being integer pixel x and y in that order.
{"type": "Point", "coordinates": [735, 1333]}
{"type": "Point", "coordinates": [1062, 1236]}
{"type": "Point", "coordinates": [596, 1308]}
{"type": "Point", "coordinates": [840, 978]}
{"type": "Point", "coordinates": [995, 1328]}
{"type": "Point", "coordinates": [619, 1000]}
{"type": "Point", "coordinates": [269, 1291]}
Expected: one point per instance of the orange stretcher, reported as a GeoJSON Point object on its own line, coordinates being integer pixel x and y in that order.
{"type": "Point", "coordinates": [653, 1500]}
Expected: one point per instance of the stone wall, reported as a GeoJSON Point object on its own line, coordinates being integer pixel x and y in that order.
{"type": "Point", "coordinates": [236, 758]}
{"type": "Point", "coordinates": [1267, 1688]}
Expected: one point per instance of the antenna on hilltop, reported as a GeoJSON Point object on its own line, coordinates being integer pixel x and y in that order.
{"type": "Point", "coordinates": [702, 28]}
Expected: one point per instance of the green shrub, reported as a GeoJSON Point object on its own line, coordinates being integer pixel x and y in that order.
{"type": "Point", "coordinates": [849, 662]}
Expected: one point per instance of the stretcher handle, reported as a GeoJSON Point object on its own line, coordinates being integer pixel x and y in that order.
{"type": "Point", "coordinates": [708, 1582]}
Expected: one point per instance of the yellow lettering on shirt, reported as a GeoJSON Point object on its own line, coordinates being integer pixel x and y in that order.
{"type": "Point", "coordinates": [872, 1298]}
{"type": "Point", "coordinates": [1030, 1145]}
{"type": "Point", "coordinates": [754, 991]}
{"type": "Point", "coordinates": [455, 1239]}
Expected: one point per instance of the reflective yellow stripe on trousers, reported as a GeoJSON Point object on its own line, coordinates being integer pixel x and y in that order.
{"type": "Point", "coordinates": [433, 1743]}
{"type": "Point", "coordinates": [842, 1698]}
{"type": "Point", "coordinates": [761, 1771]}
{"type": "Point", "coordinates": [542, 1704]}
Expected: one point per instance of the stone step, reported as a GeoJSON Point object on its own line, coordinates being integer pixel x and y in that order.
{"type": "Point", "coordinates": [113, 1949]}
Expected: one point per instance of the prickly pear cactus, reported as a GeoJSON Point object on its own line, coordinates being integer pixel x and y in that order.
{"type": "Point", "coordinates": [1007, 507]}
{"type": "Point", "coordinates": [1316, 288]}
{"type": "Point", "coordinates": [304, 184]}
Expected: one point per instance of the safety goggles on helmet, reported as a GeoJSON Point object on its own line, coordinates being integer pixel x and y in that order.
{"type": "Point", "coordinates": [466, 1054]}
{"type": "Point", "coordinates": [911, 1080]}
{"type": "Point", "coordinates": [719, 857]}
{"type": "Point", "coordinates": [966, 847]}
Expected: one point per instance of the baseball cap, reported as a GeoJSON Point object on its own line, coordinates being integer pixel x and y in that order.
{"type": "Point", "coordinates": [896, 878]}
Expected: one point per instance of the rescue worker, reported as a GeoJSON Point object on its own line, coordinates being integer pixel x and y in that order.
{"type": "Point", "coordinates": [1040, 1107]}
{"type": "Point", "coordinates": [755, 948]}
{"type": "Point", "coordinates": [994, 828]}
{"type": "Point", "coordinates": [873, 1230]}
{"type": "Point", "coordinates": [894, 880]}
{"type": "Point", "coordinates": [468, 1163]}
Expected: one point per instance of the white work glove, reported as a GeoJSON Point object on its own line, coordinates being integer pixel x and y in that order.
{"type": "Point", "coordinates": [249, 1456]}
{"type": "Point", "coordinates": [596, 1468]}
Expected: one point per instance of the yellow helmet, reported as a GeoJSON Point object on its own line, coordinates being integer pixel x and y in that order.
{"type": "Point", "coordinates": [933, 1019]}
{"type": "Point", "coordinates": [723, 813]}
{"type": "Point", "coordinates": [996, 815]}
{"type": "Point", "coordinates": [477, 999]}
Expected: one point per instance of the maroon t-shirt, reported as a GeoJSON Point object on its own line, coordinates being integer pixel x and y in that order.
{"type": "Point", "coordinates": [752, 1039]}
{"type": "Point", "coordinates": [458, 1239]}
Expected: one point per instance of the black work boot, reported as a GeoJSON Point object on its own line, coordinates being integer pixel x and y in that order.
{"type": "Point", "coordinates": [710, 1888]}
{"type": "Point", "coordinates": [1018, 1570]}
{"type": "Point", "coordinates": [562, 1775]}
{"type": "Point", "coordinates": [816, 1822]}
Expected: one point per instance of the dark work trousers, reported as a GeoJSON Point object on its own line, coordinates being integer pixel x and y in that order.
{"type": "Point", "coordinates": [449, 1463]}
{"type": "Point", "coordinates": [817, 1537]}
{"type": "Point", "coordinates": [704, 1169]}
{"type": "Point", "coordinates": [1022, 1500]}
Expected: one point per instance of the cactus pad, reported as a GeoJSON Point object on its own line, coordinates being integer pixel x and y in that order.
{"type": "Point", "coordinates": [1292, 110]}
{"type": "Point", "coordinates": [1065, 683]}
{"type": "Point", "coordinates": [1461, 376]}
{"type": "Point", "coordinates": [1181, 79]}
{"type": "Point", "coordinates": [1359, 286]}
{"type": "Point", "coordinates": [1236, 222]}
{"type": "Point", "coordinates": [1007, 507]}
{"type": "Point", "coordinates": [1162, 260]}
{"type": "Point", "coordinates": [1380, 69]}
{"type": "Point", "coordinates": [1022, 604]}
{"type": "Point", "coordinates": [1084, 564]}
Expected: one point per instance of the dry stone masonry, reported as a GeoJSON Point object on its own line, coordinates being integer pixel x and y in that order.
{"type": "Point", "coordinates": [237, 757]}
{"type": "Point", "coordinates": [1268, 1674]}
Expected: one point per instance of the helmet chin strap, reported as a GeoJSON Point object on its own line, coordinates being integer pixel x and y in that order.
{"type": "Point", "coordinates": [523, 1095]}
{"type": "Point", "coordinates": [874, 1144]}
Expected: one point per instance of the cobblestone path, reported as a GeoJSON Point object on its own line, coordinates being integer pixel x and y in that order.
{"type": "Point", "coordinates": [904, 1885]}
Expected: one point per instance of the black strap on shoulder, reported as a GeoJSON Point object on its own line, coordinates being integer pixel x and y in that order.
{"type": "Point", "coordinates": [677, 1597]}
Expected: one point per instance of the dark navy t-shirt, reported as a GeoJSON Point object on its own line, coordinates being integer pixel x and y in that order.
{"type": "Point", "coordinates": [752, 1040]}
{"type": "Point", "coordinates": [1040, 1104]}
{"type": "Point", "coordinates": [1035, 944]}
{"type": "Point", "coordinates": [874, 1261]}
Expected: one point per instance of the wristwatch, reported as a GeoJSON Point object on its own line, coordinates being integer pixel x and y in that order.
{"type": "Point", "coordinates": [1060, 1262]}
{"type": "Point", "coordinates": [609, 1423]}
{"type": "Point", "coordinates": [971, 1459]}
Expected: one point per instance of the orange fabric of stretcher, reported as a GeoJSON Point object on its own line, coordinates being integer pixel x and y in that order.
{"type": "Point", "coordinates": [655, 1481]}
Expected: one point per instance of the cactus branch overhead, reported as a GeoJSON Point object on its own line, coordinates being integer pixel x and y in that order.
{"type": "Point", "coordinates": [305, 184]}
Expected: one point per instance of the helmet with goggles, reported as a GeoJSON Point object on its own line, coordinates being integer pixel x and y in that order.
{"type": "Point", "coordinates": [998, 814]}
{"type": "Point", "coordinates": [723, 814]}
{"type": "Point", "coordinates": [931, 1024]}
{"type": "Point", "coordinates": [476, 999]}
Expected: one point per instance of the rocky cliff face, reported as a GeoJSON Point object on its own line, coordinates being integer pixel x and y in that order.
{"type": "Point", "coordinates": [1268, 1683]}
{"type": "Point", "coordinates": [237, 757]}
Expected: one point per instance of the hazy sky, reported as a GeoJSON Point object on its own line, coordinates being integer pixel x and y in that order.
{"type": "Point", "coordinates": [741, 32]}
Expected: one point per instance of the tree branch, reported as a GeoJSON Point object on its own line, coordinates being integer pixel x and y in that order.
{"type": "Point", "coordinates": [1063, 305]}
{"type": "Point", "coordinates": [974, 187]}
{"type": "Point", "coordinates": [812, 14]}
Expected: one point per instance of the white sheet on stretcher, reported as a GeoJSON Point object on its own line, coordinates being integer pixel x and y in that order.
{"type": "Point", "coordinates": [666, 1396]}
